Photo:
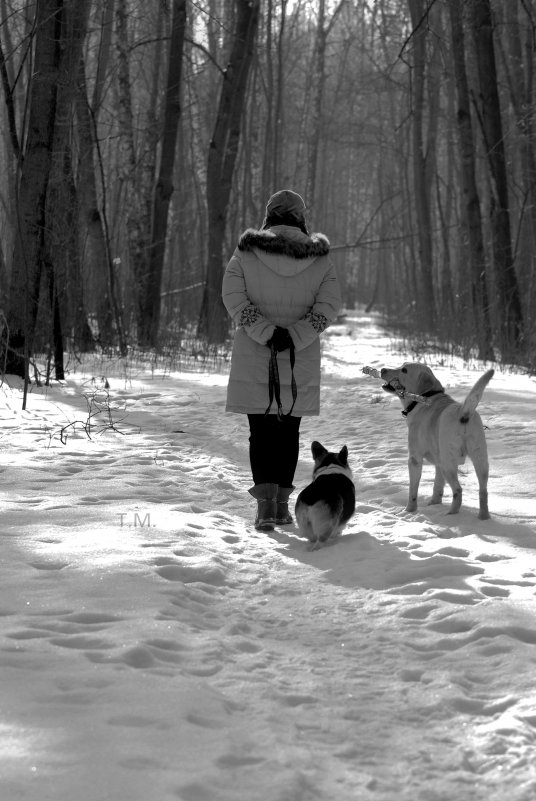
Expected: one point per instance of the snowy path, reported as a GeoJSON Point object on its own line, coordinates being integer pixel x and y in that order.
{"type": "Point", "coordinates": [154, 646]}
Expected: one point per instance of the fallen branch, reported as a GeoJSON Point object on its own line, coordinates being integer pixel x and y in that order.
{"type": "Point", "coordinates": [99, 417]}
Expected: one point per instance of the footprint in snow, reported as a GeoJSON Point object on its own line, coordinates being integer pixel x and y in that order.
{"type": "Point", "coordinates": [231, 538]}
{"type": "Point", "coordinates": [49, 565]}
{"type": "Point", "coordinates": [495, 592]}
{"type": "Point", "coordinates": [188, 573]}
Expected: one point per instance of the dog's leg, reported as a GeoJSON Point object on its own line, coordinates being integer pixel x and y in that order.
{"type": "Point", "coordinates": [415, 471]}
{"type": "Point", "coordinates": [322, 532]}
{"type": "Point", "coordinates": [310, 530]}
{"type": "Point", "coordinates": [304, 524]}
{"type": "Point", "coordinates": [325, 538]}
{"type": "Point", "coordinates": [439, 485]}
{"type": "Point", "coordinates": [483, 514]}
{"type": "Point", "coordinates": [480, 463]}
{"type": "Point", "coordinates": [451, 475]}
{"type": "Point", "coordinates": [318, 535]}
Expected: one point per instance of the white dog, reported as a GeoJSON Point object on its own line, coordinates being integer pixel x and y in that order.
{"type": "Point", "coordinates": [441, 431]}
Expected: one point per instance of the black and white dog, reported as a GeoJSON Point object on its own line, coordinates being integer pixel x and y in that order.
{"type": "Point", "coordinates": [324, 507]}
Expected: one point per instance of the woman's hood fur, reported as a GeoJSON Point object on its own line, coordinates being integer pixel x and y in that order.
{"type": "Point", "coordinates": [285, 241]}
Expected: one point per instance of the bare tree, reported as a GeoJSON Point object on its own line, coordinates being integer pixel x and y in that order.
{"type": "Point", "coordinates": [518, 53]}
{"type": "Point", "coordinates": [510, 335]}
{"type": "Point", "coordinates": [421, 156]}
{"type": "Point", "coordinates": [471, 216]}
{"type": "Point", "coordinates": [318, 83]}
{"type": "Point", "coordinates": [137, 167]}
{"type": "Point", "coordinates": [275, 84]}
{"type": "Point", "coordinates": [89, 216]}
{"type": "Point", "coordinates": [62, 252]}
{"type": "Point", "coordinates": [164, 185]}
{"type": "Point", "coordinates": [97, 267]}
{"type": "Point", "coordinates": [223, 150]}
{"type": "Point", "coordinates": [31, 223]}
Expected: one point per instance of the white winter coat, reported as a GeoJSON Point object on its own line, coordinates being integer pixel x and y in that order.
{"type": "Point", "coordinates": [278, 276]}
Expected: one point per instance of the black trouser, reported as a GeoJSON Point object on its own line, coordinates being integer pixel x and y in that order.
{"type": "Point", "coordinates": [274, 447]}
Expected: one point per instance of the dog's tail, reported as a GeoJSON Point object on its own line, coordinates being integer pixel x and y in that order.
{"type": "Point", "coordinates": [473, 398]}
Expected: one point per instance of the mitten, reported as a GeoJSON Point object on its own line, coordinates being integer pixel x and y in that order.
{"type": "Point", "coordinates": [280, 339]}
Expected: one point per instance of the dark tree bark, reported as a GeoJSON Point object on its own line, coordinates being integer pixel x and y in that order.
{"type": "Point", "coordinates": [132, 169]}
{"type": "Point", "coordinates": [61, 236]}
{"type": "Point", "coordinates": [519, 68]}
{"type": "Point", "coordinates": [510, 335]}
{"type": "Point", "coordinates": [471, 217]}
{"type": "Point", "coordinates": [421, 182]}
{"type": "Point", "coordinates": [223, 150]}
{"type": "Point", "coordinates": [46, 247]}
{"type": "Point", "coordinates": [105, 49]}
{"type": "Point", "coordinates": [31, 226]}
{"type": "Point", "coordinates": [164, 184]}
{"type": "Point", "coordinates": [318, 89]}
{"type": "Point", "coordinates": [94, 249]}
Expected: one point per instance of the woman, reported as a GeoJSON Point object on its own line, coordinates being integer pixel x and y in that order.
{"type": "Point", "coordinates": [281, 290]}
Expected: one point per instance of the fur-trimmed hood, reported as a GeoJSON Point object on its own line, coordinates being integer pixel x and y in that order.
{"type": "Point", "coordinates": [285, 240]}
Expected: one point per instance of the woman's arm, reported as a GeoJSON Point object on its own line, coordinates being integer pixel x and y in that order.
{"type": "Point", "coordinates": [244, 313]}
{"type": "Point", "coordinates": [323, 312]}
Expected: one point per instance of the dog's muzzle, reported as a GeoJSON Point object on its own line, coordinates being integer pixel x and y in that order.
{"type": "Point", "coordinates": [391, 385]}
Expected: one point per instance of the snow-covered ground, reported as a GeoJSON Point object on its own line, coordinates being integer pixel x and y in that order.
{"type": "Point", "coordinates": [155, 647]}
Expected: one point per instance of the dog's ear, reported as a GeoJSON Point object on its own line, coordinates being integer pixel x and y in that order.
{"type": "Point", "coordinates": [343, 454]}
{"type": "Point", "coordinates": [317, 450]}
{"type": "Point", "coordinates": [427, 382]}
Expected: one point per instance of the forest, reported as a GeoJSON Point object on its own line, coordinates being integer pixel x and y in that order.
{"type": "Point", "coordinates": [138, 139]}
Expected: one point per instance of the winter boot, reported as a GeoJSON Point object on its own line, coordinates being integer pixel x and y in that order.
{"type": "Point", "coordinates": [265, 495]}
{"type": "Point", "coordinates": [282, 515]}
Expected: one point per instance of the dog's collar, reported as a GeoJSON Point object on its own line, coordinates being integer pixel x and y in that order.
{"type": "Point", "coordinates": [333, 469]}
{"type": "Point", "coordinates": [413, 404]}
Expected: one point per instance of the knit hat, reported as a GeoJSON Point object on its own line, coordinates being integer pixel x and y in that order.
{"type": "Point", "coordinates": [286, 203]}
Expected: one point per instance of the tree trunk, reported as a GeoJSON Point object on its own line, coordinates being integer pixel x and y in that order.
{"type": "Point", "coordinates": [138, 213]}
{"type": "Point", "coordinates": [426, 312]}
{"type": "Point", "coordinates": [318, 83]}
{"type": "Point", "coordinates": [267, 185]}
{"type": "Point", "coordinates": [279, 107]}
{"type": "Point", "coordinates": [105, 47]}
{"type": "Point", "coordinates": [30, 231]}
{"type": "Point", "coordinates": [471, 215]}
{"type": "Point", "coordinates": [223, 150]}
{"type": "Point", "coordinates": [94, 251]}
{"type": "Point", "coordinates": [164, 185]}
{"type": "Point", "coordinates": [96, 257]}
{"type": "Point", "coordinates": [509, 308]}
{"type": "Point", "coordinates": [315, 117]}
{"type": "Point", "coordinates": [61, 235]}
{"type": "Point", "coordinates": [519, 68]}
